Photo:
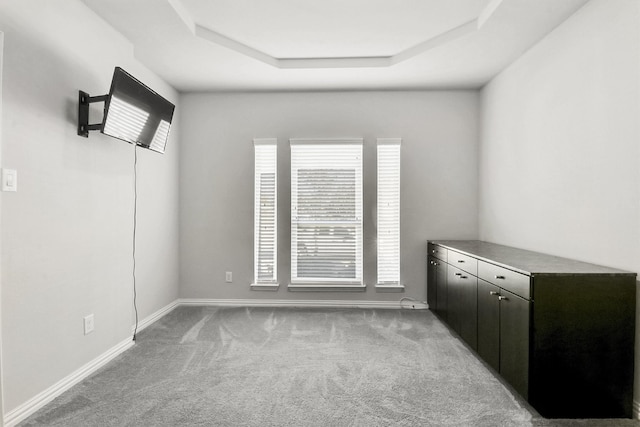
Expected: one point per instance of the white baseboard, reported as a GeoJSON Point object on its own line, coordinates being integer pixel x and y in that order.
{"type": "Point", "coordinates": [300, 303]}
{"type": "Point", "coordinates": [149, 320]}
{"type": "Point", "coordinates": [32, 405]}
{"type": "Point", "coordinates": [636, 410]}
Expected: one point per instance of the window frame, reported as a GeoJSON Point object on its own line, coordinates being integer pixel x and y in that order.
{"type": "Point", "coordinates": [266, 161]}
{"type": "Point", "coordinates": [388, 239]}
{"type": "Point", "coordinates": [326, 283]}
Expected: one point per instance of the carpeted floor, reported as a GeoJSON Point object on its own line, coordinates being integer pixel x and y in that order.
{"type": "Point", "coordinates": [208, 366]}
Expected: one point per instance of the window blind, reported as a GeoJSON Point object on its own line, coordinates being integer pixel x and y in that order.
{"type": "Point", "coordinates": [326, 211]}
{"type": "Point", "coordinates": [388, 211]}
{"type": "Point", "coordinates": [265, 211]}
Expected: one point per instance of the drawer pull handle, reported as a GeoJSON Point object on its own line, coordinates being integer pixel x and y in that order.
{"type": "Point", "coordinates": [494, 293]}
{"type": "Point", "coordinates": [460, 260]}
{"type": "Point", "coordinates": [463, 277]}
{"type": "Point", "coordinates": [501, 298]}
{"type": "Point", "coordinates": [458, 274]}
{"type": "Point", "coordinates": [500, 277]}
{"type": "Point", "coordinates": [433, 251]}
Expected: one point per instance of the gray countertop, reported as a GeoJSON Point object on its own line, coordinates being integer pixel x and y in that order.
{"type": "Point", "coordinates": [523, 261]}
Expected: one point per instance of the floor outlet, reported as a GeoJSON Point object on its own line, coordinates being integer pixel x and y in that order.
{"type": "Point", "coordinates": [88, 324]}
{"type": "Point", "coordinates": [228, 277]}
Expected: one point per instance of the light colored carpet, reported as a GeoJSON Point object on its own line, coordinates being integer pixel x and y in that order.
{"type": "Point", "coordinates": [207, 366]}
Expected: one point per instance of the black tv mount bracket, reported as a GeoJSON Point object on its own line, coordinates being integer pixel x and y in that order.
{"type": "Point", "coordinates": [84, 100]}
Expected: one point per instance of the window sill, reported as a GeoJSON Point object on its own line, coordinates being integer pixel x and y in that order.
{"type": "Point", "coordinates": [265, 286]}
{"type": "Point", "coordinates": [344, 287]}
{"type": "Point", "coordinates": [380, 287]}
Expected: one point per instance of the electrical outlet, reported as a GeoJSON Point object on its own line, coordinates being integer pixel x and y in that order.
{"type": "Point", "coordinates": [228, 277]}
{"type": "Point", "coordinates": [88, 324]}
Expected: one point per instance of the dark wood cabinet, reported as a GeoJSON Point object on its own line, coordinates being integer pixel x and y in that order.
{"type": "Point", "coordinates": [437, 280]}
{"type": "Point", "coordinates": [432, 278]}
{"type": "Point", "coordinates": [503, 334]}
{"type": "Point", "coordinates": [514, 341]}
{"type": "Point", "coordinates": [441, 289]}
{"type": "Point", "coordinates": [489, 323]}
{"type": "Point", "coordinates": [559, 331]}
{"type": "Point", "coordinates": [453, 298]}
{"type": "Point", "coordinates": [463, 305]}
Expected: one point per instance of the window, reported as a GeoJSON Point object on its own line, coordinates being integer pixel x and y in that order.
{"type": "Point", "coordinates": [326, 213]}
{"type": "Point", "coordinates": [388, 212]}
{"type": "Point", "coordinates": [265, 211]}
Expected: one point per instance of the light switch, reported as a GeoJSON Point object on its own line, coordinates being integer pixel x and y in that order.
{"type": "Point", "coordinates": [9, 180]}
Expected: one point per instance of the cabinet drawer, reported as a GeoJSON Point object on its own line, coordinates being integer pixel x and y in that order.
{"type": "Point", "coordinates": [514, 282]}
{"type": "Point", "coordinates": [437, 251]}
{"type": "Point", "coordinates": [464, 262]}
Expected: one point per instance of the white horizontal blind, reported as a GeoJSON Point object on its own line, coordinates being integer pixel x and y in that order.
{"type": "Point", "coordinates": [389, 210]}
{"type": "Point", "coordinates": [265, 211]}
{"type": "Point", "coordinates": [125, 120]}
{"type": "Point", "coordinates": [326, 211]}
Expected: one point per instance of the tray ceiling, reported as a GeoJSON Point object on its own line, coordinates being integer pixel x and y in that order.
{"type": "Point", "coordinates": [221, 45]}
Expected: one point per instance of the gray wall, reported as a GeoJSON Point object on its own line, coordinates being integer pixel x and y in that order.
{"type": "Point", "coordinates": [1, 379]}
{"type": "Point", "coordinates": [439, 179]}
{"type": "Point", "coordinates": [560, 145]}
{"type": "Point", "coordinates": [67, 232]}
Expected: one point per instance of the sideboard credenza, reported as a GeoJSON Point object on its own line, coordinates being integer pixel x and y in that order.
{"type": "Point", "coordinates": [559, 331]}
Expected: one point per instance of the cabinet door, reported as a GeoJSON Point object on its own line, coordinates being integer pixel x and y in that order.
{"type": "Point", "coordinates": [462, 300]}
{"type": "Point", "coordinates": [469, 310]}
{"type": "Point", "coordinates": [432, 288]}
{"type": "Point", "coordinates": [441, 289]}
{"type": "Point", "coordinates": [489, 323]}
{"type": "Point", "coordinates": [514, 341]}
{"type": "Point", "coordinates": [454, 286]}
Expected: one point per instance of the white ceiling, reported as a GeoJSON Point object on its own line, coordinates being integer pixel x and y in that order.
{"type": "Point", "coordinates": [222, 45]}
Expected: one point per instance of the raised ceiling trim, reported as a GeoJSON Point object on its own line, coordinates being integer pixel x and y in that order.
{"type": "Point", "coordinates": [222, 40]}
{"type": "Point", "coordinates": [436, 41]}
{"type": "Point", "coordinates": [487, 12]}
{"type": "Point", "coordinates": [341, 62]}
{"type": "Point", "coordinates": [344, 62]}
{"type": "Point", "coordinates": [183, 14]}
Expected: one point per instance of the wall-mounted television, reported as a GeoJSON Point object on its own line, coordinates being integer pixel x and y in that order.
{"type": "Point", "coordinates": [133, 112]}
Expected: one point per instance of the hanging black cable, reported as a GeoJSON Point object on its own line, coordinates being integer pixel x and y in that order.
{"type": "Point", "coordinates": [135, 215]}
